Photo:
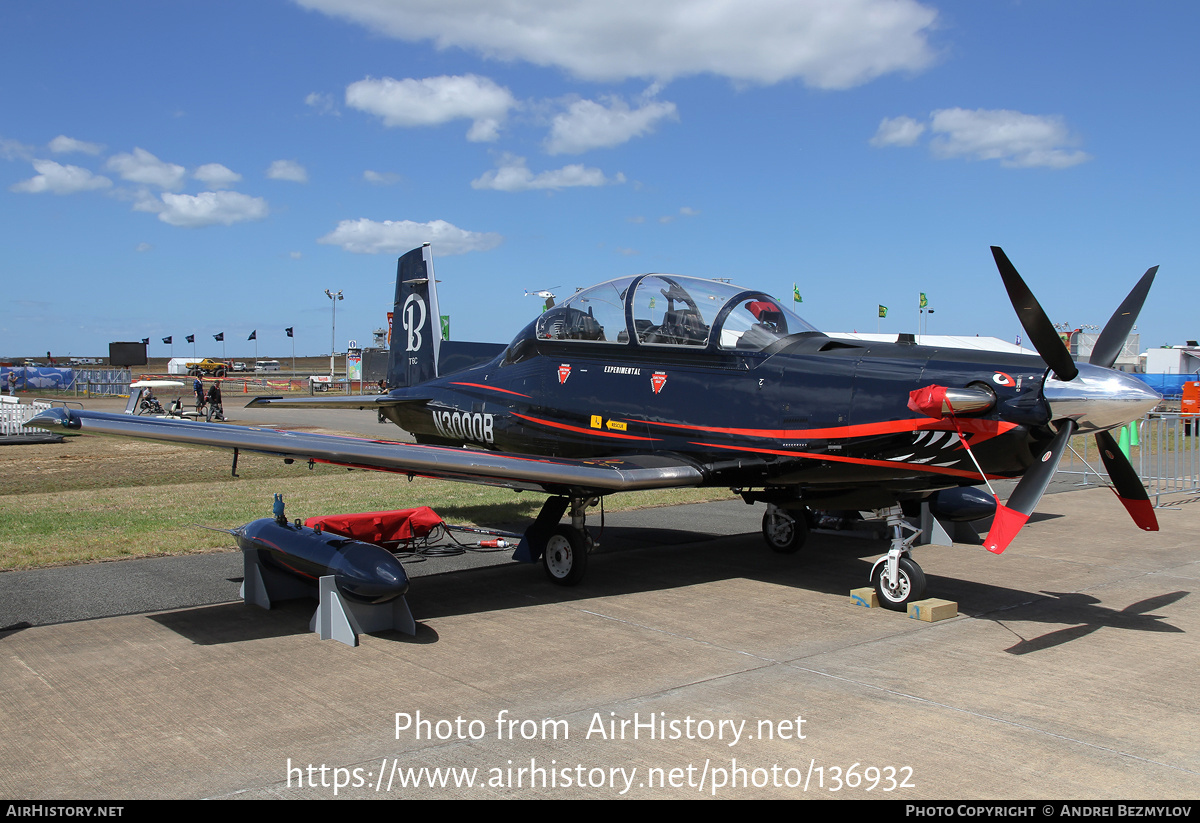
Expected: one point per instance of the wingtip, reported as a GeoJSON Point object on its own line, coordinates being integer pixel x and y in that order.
{"type": "Point", "coordinates": [55, 418]}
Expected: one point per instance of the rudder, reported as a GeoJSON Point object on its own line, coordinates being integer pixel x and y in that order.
{"type": "Point", "coordinates": [416, 322]}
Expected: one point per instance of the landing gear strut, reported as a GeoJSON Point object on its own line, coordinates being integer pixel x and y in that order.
{"type": "Point", "coordinates": [897, 578]}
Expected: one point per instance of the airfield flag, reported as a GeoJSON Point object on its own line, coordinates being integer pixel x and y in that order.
{"type": "Point", "coordinates": [167, 340]}
{"type": "Point", "coordinates": [191, 338]}
{"type": "Point", "coordinates": [924, 301]}
{"type": "Point", "coordinates": [253, 335]}
{"type": "Point", "coordinates": [883, 311]}
{"type": "Point", "coordinates": [796, 298]}
{"type": "Point", "coordinates": [288, 330]}
{"type": "Point", "coordinates": [220, 338]}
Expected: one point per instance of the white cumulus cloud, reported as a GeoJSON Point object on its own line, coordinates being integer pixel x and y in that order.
{"type": "Point", "coordinates": [16, 150]}
{"type": "Point", "coordinates": [831, 44]}
{"type": "Point", "coordinates": [897, 131]}
{"type": "Point", "coordinates": [209, 208]}
{"type": "Point", "coordinates": [381, 178]}
{"type": "Point", "coordinates": [288, 170]}
{"type": "Point", "coordinates": [141, 166]}
{"type": "Point", "coordinates": [514, 175]}
{"type": "Point", "coordinates": [216, 176]}
{"type": "Point", "coordinates": [587, 125]}
{"type": "Point", "coordinates": [365, 236]}
{"type": "Point", "coordinates": [1013, 138]}
{"type": "Point", "coordinates": [65, 145]}
{"type": "Point", "coordinates": [322, 102]}
{"type": "Point", "coordinates": [59, 179]}
{"type": "Point", "coordinates": [433, 101]}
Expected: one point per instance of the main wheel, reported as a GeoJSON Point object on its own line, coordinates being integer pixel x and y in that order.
{"type": "Point", "coordinates": [910, 585]}
{"type": "Point", "coordinates": [565, 556]}
{"type": "Point", "coordinates": [784, 532]}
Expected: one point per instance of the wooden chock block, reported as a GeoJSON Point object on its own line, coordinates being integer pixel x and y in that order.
{"type": "Point", "coordinates": [865, 597]}
{"type": "Point", "coordinates": [932, 609]}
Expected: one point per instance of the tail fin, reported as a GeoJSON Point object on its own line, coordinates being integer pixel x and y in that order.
{"type": "Point", "coordinates": [416, 323]}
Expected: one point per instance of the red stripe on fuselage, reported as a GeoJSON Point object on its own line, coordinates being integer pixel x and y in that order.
{"type": "Point", "coordinates": [491, 388]}
{"type": "Point", "coordinates": [986, 429]}
{"type": "Point", "coordinates": [862, 461]}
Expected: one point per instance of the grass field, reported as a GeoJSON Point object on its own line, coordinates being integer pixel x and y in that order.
{"type": "Point", "coordinates": [103, 498]}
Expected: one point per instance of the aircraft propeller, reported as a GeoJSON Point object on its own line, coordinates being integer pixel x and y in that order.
{"type": "Point", "coordinates": [1093, 395]}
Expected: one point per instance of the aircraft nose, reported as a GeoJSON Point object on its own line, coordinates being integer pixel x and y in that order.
{"type": "Point", "coordinates": [1099, 398]}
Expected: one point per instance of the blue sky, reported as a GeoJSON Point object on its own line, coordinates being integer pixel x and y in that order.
{"type": "Point", "coordinates": [187, 167]}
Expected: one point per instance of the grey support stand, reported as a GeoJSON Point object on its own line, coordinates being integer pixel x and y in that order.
{"type": "Point", "coordinates": [344, 620]}
{"type": "Point", "coordinates": [262, 584]}
{"type": "Point", "coordinates": [336, 617]}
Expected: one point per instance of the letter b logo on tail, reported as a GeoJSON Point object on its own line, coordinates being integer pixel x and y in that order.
{"type": "Point", "coordinates": [413, 318]}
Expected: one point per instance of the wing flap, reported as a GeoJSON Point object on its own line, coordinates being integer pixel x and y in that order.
{"type": "Point", "coordinates": [554, 475]}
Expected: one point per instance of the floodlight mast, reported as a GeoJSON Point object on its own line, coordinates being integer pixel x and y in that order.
{"type": "Point", "coordinates": [333, 297]}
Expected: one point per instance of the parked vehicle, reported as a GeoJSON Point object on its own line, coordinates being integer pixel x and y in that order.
{"type": "Point", "coordinates": [208, 368]}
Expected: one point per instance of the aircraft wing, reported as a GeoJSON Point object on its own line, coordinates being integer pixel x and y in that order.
{"type": "Point", "coordinates": [338, 401]}
{"type": "Point", "coordinates": [583, 477]}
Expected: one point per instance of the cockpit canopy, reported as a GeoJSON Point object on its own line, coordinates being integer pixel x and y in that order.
{"type": "Point", "coordinates": [668, 310]}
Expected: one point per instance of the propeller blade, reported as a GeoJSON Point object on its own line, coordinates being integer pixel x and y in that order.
{"type": "Point", "coordinates": [1034, 320]}
{"type": "Point", "coordinates": [1126, 483]}
{"type": "Point", "coordinates": [1024, 499]}
{"type": "Point", "coordinates": [1116, 330]}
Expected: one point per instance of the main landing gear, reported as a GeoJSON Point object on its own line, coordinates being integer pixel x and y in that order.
{"type": "Point", "coordinates": [563, 549]}
{"type": "Point", "coordinates": [897, 578]}
{"type": "Point", "coordinates": [785, 531]}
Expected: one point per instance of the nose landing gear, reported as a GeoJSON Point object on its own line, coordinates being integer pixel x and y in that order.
{"type": "Point", "coordinates": [897, 578]}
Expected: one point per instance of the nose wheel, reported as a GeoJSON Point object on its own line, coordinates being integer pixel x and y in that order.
{"type": "Point", "coordinates": [908, 586]}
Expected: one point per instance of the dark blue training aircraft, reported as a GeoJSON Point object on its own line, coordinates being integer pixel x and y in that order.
{"type": "Point", "coordinates": [657, 380]}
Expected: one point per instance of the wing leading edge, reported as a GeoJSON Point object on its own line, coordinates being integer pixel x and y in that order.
{"type": "Point", "coordinates": [549, 474]}
{"type": "Point", "coordinates": [346, 401]}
